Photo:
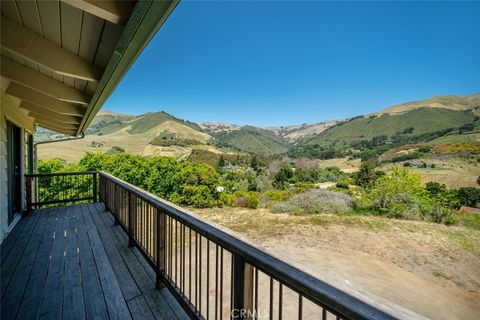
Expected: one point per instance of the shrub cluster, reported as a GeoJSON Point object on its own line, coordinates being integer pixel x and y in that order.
{"type": "Point", "coordinates": [316, 201]}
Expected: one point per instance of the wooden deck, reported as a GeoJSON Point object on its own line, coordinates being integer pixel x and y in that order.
{"type": "Point", "coordinates": [73, 263]}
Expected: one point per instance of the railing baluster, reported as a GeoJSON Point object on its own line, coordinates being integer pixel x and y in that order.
{"type": "Point", "coordinates": [208, 279]}
{"type": "Point", "coordinates": [271, 299]}
{"type": "Point", "coordinates": [160, 227]}
{"type": "Point", "coordinates": [300, 307]}
{"type": "Point", "coordinates": [221, 283]}
{"type": "Point", "coordinates": [131, 218]}
{"type": "Point", "coordinates": [216, 281]}
{"type": "Point", "coordinates": [280, 300]}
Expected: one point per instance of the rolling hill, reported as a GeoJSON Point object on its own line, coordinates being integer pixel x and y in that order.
{"type": "Point", "coordinates": [159, 133]}
{"type": "Point", "coordinates": [456, 103]}
{"type": "Point", "coordinates": [417, 121]}
{"type": "Point", "coordinates": [252, 140]}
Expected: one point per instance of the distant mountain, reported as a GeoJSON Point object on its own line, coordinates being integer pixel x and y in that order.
{"type": "Point", "coordinates": [300, 132]}
{"type": "Point", "coordinates": [416, 122]}
{"type": "Point", "coordinates": [252, 140]}
{"type": "Point", "coordinates": [412, 118]}
{"type": "Point", "coordinates": [159, 133]}
{"type": "Point", "coordinates": [456, 103]}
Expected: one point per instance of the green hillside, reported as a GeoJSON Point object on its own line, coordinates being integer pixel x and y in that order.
{"type": "Point", "coordinates": [252, 140]}
{"type": "Point", "coordinates": [457, 138]}
{"type": "Point", "coordinates": [444, 102]}
{"type": "Point", "coordinates": [422, 120]}
{"type": "Point", "coordinates": [150, 120]}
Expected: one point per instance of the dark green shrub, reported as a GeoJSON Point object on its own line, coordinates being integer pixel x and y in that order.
{"type": "Point", "coordinates": [277, 195]}
{"type": "Point", "coordinates": [316, 201]}
{"type": "Point", "coordinates": [247, 199]}
{"type": "Point", "coordinates": [468, 196]}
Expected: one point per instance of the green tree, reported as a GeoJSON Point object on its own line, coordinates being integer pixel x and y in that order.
{"type": "Point", "coordinates": [468, 196]}
{"type": "Point", "coordinates": [366, 175]}
{"type": "Point", "coordinates": [221, 162]}
{"type": "Point", "coordinates": [400, 194]}
{"type": "Point", "coordinates": [283, 177]}
{"type": "Point", "coordinates": [255, 164]}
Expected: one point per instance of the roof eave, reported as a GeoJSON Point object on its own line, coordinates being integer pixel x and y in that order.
{"type": "Point", "coordinates": [143, 24]}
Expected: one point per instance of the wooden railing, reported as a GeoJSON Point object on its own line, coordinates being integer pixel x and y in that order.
{"type": "Point", "coordinates": [49, 189]}
{"type": "Point", "coordinates": [215, 275]}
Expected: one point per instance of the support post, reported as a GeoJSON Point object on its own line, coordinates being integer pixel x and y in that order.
{"type": "Point", "coordinates": [28, 193]}
{"type": "Point", "coordinates": [94, 187]}
{"type": "Point", "coordinates": [242, 307]}
{"type": "Point", "coordinates": [160, 237]}
{"type": "Point", "coordinates": [115, 205]}
{"type": "Point", "coordinates": [132, 214]}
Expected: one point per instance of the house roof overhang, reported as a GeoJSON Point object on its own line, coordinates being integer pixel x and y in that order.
{"type": "Point", "coordinates": [63, 59]}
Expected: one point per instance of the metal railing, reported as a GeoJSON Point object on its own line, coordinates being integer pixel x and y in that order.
{"type": "Point", "coordinates": [49, 189]}
{"type": "Point", "coordinates": [215, 275]}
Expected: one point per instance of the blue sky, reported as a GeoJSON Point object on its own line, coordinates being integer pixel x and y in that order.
{"type": "Point", "coordinates": [280, 63]}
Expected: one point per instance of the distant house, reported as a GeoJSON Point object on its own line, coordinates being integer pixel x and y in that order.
{"type": "Point", "coordinates": [232, 167]}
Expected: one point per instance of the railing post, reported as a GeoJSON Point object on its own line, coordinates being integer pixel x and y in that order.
{"type": "Point", "coordinates": [242, 307]}
{"type": "Point", "coordinates": [94, 187]}
{"type": "Point", "coordinates": [132, 214]}
{"type": "Point", "coordinates": [115, 205]}
{"type": "Point", "coordinates": [160, 237]}
{"type": "Point", "coordinates": [28, 193]}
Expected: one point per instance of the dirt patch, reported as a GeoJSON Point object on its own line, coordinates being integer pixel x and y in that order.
{"type": "Point", "coordinates": [429, 268]}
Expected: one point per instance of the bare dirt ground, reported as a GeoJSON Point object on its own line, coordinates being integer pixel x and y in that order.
{"type": "Point", "coordinates": [429, 268]}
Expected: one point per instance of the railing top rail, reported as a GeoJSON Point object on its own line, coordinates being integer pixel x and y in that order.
{"type": "Point", "coordinates": [54, 174]}
{"type": "Point", "coordinates": [298, 280]}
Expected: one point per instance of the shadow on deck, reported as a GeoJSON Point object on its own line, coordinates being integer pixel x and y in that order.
{"type": "Point", "coordinates": [74, 263]}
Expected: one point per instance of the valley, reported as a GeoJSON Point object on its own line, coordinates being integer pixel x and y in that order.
{"type": "Point", "coordinates": [397, 182]}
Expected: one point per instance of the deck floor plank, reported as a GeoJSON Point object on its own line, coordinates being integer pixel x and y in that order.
{"type": "Point", "coordinates": [11, 262]}
{"type": "Point", "coordinates": [73, 302]}
{"type": "Point", "coordinates": [121, 270]}
{"type": "Point", "coordinates": [116, 305]}
{"type": "Point", "coordinates": [92, 289]}
{"type": "Point", "coordinates": [52, 303]}
{"type": "Point", "coordinates": [9, 243]}
{"type": "Point", "coordinates": [63, 264]}
{"type": "Point", "coordinates": [32, 299]}
{"type": "Point", "coordinates": [145, 275]}
{"type": "Point", "coordinates": [155, 301]}
{"type": "Point", "coordinates": [139, 308]}
{"type": "Point", "coordinates": [14, 293]}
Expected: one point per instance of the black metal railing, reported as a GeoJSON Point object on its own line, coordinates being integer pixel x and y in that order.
{"type": "Point", "coordinates": [215, 275]}
{"type": "Point", "coordinates": [50, 189]}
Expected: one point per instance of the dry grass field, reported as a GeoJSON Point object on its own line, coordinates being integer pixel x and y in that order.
{"type": "Point", "coordinates": [429, 268]}
{"type": "Point", "coordinates": [453, 172]}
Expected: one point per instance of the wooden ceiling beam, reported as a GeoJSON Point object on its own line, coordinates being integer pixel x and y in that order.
{"type": "Point", "coordinates": [35, 48]}
{"type": "Point", "coordinates": [41, 83]}
{"type": "Point", "coordinates": [40, 112]}
{"type": "Point", "coordinates": [117, 12]}
{"type": "Point", "coordinates": [54, 127]}
{"type": "Point", "coordinates": [57, 124]}
{"type": "Point", "coordinates": [37, 98]}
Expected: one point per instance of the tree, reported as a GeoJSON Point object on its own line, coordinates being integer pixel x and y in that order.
{"type": "Point", "coordinates": [255, 163]}
{"type": "Point", "coordinates": [400, 194]}
{"type": "Point", "coordinates": [366, 176]}
{"type": "Point", "coordinates": [221, 162]}
{"type": "Point", "coordinates": [282, 177]}
{"type": "Point", "coordinates": [468, 196]}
